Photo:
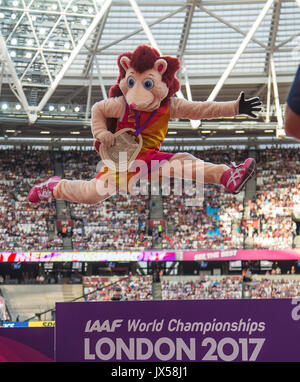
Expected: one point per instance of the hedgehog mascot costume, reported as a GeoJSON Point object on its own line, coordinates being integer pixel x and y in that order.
{"type": "Point", "coordinates": [134, 119]}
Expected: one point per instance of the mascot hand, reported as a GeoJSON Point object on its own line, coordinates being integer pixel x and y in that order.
{"type": "Point", "coordinates": [106, 138]}
{"type": "Point", "coordinates": [249, 105]}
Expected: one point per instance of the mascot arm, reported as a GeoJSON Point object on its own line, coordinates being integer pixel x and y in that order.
{"type": "Point", "coordinates": [109, 108]}
{"type": "Point", "coordinates": [181, 108]}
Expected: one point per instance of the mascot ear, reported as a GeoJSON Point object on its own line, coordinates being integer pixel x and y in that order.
{"type": "Point", "coordinates": [161, 65]}
{"type": "Point", "coordinates": [125, 62]}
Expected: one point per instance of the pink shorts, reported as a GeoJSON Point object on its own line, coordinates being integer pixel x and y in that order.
{"type": "Point", "coordinates": [146, 155]}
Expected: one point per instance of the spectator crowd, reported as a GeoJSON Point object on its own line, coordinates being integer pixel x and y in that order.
{"type": "Point", "coordinates": [117, 223]}
{"type": "Point", "coordinates": [219, 221]}
{"type": "Point", "coordinates": [277, 194]}
{"type": "Point", "coordinates": [98, 288]}
{"type": "Point", "coordinates": [229, 287]}
{"type": "Point", "coordinates": [215, 222]}
{"type": "Point", "coordinates": [275, 288]}
{"type": "Point", "coordinates": [23, 226]}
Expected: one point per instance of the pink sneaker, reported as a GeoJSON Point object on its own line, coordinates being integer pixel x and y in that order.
{"type": "Point", "coordinates": [237, 176]}
{"type": "Point", "coordinates": [43, 191]}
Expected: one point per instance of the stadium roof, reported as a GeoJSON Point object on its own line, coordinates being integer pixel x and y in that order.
{"type": "Point", "coordinates": [59, 57]}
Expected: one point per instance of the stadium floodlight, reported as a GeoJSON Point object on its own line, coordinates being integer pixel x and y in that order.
{"type": "Point", "coordinates": [195, 124]}
{"type": "Point", "coordinates": [4, 106]}
{"type": "Point", "coordinates": [77, 109]}
{"type": "Point", "coordinates": [18, 106]}
{"type": "Point", "coordinates": [12, 53]}
{"type": "Point", "coordinates": [51, 108]}
{"type": "Point", "coordinates": [62, 108]}
{"type": "Point", "coordinates": [14, 41]}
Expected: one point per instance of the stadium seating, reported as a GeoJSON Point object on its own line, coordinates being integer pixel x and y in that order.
{"type": "Point", "coordinates": [24, 226]}
{"type": "Point", "coordinates": [222, 221]}
{"type": "Point", "coordinates": [276, 286]}
{"type": "Point", "coordinates": [117, 223]}
{"type": "Point", "coordinates": [203, 287]}
{"type": "Point", "coordinates": [27, 300]}
{"type": "Point", "coordinates": [216, 223]}
{"type": "Point", "coordinates": [31, 301]}
{"type": "Point", "coordinates": [277, 194]}
{"type": "Point", "coordinates": [219, 223]}
{"type": "Point", "coordinates": [98, 288]}
{"type": "Point", "coordinates": [230, 287]}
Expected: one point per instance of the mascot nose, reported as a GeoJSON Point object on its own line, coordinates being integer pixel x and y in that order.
{"type": "Point", "coordinates": [132, 106]}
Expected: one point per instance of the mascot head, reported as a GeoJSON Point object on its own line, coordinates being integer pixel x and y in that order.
{"type": "Point", "coordinates": [145, 78]}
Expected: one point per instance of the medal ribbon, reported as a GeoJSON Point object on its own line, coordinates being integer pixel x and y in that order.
{"type": "Point", "coordinates": [137, 121]}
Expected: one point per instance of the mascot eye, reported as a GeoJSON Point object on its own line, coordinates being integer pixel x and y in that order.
{"type": "Point", "coordinates": [130, 82]}
{"type": "Point", "coordinates": [148, 84]}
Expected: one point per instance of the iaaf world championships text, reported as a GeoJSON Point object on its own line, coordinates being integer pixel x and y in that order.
{"type": "Point", "coordinates": [177, 325]}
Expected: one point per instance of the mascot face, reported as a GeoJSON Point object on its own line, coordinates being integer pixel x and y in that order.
{"type": "Point", "coordinates": [144, 91]}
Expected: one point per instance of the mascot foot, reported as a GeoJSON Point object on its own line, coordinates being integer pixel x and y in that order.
{"type": "Point", "coordinates": [237, 176]}
{"type": "Point", "coordinates": [43, 192]}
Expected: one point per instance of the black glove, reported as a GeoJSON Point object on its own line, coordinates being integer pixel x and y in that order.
{"type": "Point", "coordinates": [249, 105]}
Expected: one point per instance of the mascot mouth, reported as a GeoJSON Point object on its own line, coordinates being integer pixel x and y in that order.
{"type": "Point", "coordinates": [149, 106]}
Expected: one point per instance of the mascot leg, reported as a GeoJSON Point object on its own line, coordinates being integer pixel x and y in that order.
{"type": "Point", "coordinates": [233, 178]}
{"type": "Point", "coordinates": [82, 191]}
{"type": "Point", "coordinates": [186, 166]}
{"type": "Point", "coordinates": [77, 191]}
